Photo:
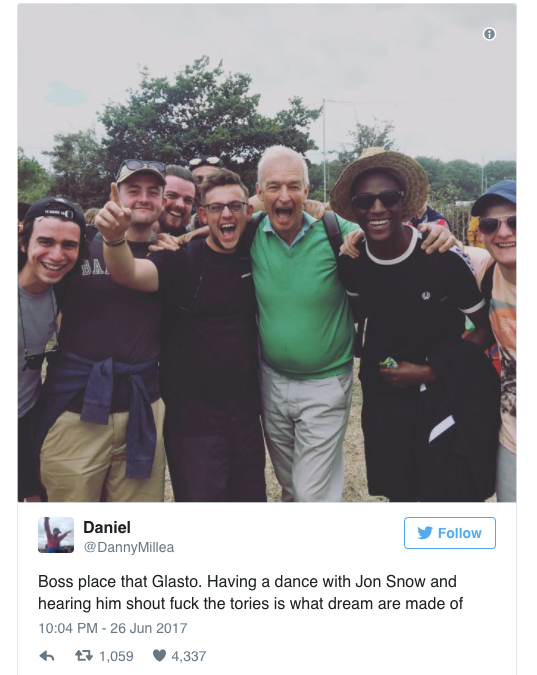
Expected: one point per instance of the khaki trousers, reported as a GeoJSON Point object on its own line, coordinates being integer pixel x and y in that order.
{"type": "Point", "coordinates": [84, 462]}
{"type": "Point", "coordinates": [305, 423]}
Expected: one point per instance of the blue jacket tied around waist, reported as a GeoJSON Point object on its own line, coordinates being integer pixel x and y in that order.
{"type": "Point", "coordinates": [71, 374]}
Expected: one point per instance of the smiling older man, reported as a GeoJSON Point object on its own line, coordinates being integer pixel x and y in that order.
{"type": "Point", "coordinates": [307, 335]}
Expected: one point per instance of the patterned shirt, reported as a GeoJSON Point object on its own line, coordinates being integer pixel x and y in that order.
{"type": "Point", "coordinates": [502, 315]}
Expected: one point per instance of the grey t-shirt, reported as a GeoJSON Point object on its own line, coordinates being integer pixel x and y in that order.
{"type": "Point", "coordinates": [38, 315]}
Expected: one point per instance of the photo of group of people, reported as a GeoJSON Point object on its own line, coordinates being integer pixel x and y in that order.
{"type": "Point", "coordinates": [204, 327]}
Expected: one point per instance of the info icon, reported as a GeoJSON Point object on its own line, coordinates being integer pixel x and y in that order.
{"type": "Point", "coordinates": [489, 33]}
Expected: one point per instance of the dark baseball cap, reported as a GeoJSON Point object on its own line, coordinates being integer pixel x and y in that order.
{"type": "Point", "coordinates": [56, 206]}
{"type": "Point", "coordinates": [506, 189]}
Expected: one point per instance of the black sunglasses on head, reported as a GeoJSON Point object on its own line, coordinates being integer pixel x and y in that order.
{"type": "Point", "coordinates": [365, 200]}
{"type": "Point", "coordinates": [133, 164]}
{"type": "Point", "coordinates": [490, 225]}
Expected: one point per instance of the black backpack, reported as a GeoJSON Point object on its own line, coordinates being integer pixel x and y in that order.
{"type": "Point", "coordinates": [330, 223]}
{"type": "Point", "coordinates": [486, 282]}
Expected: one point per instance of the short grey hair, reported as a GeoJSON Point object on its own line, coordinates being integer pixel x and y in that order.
{"type": "Point", "coordinates": [277, 151]}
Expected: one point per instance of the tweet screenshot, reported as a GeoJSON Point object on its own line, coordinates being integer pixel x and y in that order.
{"type": "Point", "coordinates": [267, 354]}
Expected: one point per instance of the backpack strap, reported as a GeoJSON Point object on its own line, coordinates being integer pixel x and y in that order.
{"type": "Point", "coordinates": [333, 232]}
{"type": "Point", "coordinates": [248, 237]}
{"type": "Point", "coordinates": [486, 282]}
{"type": "Point", "coordinates": [195, 251]}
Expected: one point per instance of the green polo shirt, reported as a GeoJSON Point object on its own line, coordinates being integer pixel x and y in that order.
{"type": "Point", "coordinates": [305, 321]}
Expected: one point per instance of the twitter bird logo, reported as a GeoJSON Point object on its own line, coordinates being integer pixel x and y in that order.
{"type": "Point", "coordinates": [426, 533]}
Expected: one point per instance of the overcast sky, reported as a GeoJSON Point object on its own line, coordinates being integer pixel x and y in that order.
{"type": "Point", "coordinates": [427, 68]}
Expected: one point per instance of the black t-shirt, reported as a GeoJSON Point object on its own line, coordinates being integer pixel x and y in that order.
{"type": "Point", "coordinates": [411, 303]}
{"type": "Point", "coordinates": [102, 319]}
{"type": "Point", "coordinates": [210, 346]}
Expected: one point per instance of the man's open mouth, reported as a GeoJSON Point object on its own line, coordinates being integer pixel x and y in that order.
{"type": "Point", "coordinates": [284, 214]}
{"type": "Point", "coordinates": [228, 230]}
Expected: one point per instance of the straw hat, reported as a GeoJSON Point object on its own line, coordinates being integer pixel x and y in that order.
{"type": "Point", "coordinates": [410, 174]}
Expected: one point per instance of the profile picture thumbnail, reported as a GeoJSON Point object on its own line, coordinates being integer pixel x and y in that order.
{"type": "Point", "coordinates": [55, 535]}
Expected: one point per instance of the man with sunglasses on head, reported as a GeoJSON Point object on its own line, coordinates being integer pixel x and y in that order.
{"type": "Point", "coordinates": [209, 362]}
{"type": "Point", "coordinates": [103, 414]}
{"type": "Point", "coordinates": [496, 275]}
{"type": "Point", "coordinates": [49, 249]}
{"type": "Point", "coordinates": [201, 167]}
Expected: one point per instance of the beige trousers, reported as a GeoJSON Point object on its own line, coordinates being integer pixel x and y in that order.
{"type": "Point", "coordinates": [84, 462]}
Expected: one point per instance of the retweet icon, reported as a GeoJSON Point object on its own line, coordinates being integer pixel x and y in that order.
{"type": "Point", "coordinates": [426, 533]}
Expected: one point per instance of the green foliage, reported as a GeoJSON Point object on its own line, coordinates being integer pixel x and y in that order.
{"type": "Point", "coordinates": [34, 181]}
{"type": "Point", "coordinates": [460, 180]}
{"type": "Point", "coordinates": [79, 164]}
{"type": "Point", "coordinates": [202, 112]}
{"type": "Point", "coordinates": [465, 176]}
{"type": "Point", "coordinates": [363, 137]}
{"type": "Point", "coordinates": [500, 170]}
{"type": "Point", "coordinates": [434, 168]}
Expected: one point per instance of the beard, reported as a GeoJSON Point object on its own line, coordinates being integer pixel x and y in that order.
{"type": "Point", "coordinates": [174, 229]}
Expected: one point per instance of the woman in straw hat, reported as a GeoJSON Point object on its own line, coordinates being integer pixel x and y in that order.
{"type": "Point", "coordinates": [412, 301]}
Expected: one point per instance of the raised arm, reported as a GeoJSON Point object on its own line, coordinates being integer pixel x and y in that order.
{"type": "Point", "coordinates": [47, 526]}
{"type": "Point", "coordinates": [113, 221]}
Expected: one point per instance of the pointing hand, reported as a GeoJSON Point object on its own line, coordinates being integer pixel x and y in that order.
{"type": "Point", "coordinates": [113, 220]}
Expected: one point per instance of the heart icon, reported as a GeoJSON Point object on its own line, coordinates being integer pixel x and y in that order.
{"type": "Point", "coordinates": [159, 654]}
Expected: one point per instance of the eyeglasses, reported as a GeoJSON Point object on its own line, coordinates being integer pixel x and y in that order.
{"type": "Point", "coordinates": [365, 200]}
{"type": "Point", "coordinates": [133, 164]}
{"type": "Point", "coordinates": [234, 207]}
{"type": "Point", "coordinates": [490, 225]}
{"type": "Point", "coordinates": [212, 161]}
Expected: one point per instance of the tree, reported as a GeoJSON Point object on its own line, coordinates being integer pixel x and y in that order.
{"type": "Point", "coordinates": [202, 112]}
{"type": "Point", "coordinates": [435, 170]}
{"type": "Point", "coordinates": [363, 137]}
{"type": "Point", "coordinates": [499, 170]}
{"type": "Point", "coordinates": [81, 172]}
{"type": "Point", "coordinates": [34, 181]}
{"type": "Point", "coordinates": [466, 176]}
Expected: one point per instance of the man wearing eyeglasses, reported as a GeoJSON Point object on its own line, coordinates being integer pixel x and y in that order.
{"type": "Point", "coordinates": [49, 249]}
{"type": "Point", "coordinates": [103, 414]}
{"type": "Point", "coordinates": [496, 276]}
{"type": "Point", "coordinates": [209, 364]}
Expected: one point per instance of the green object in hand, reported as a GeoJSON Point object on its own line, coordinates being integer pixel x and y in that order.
{"type": "Point", "coordinates": [388, 363]}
